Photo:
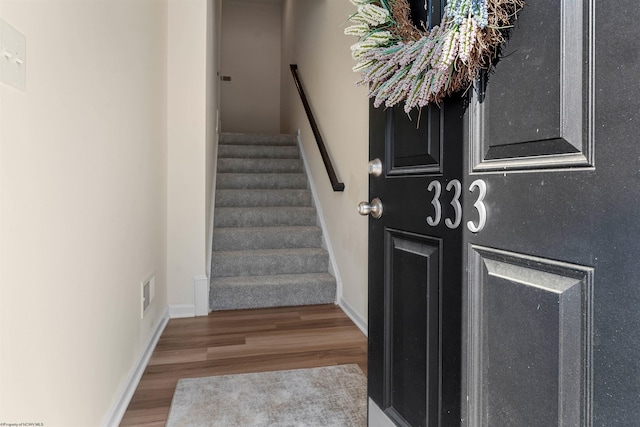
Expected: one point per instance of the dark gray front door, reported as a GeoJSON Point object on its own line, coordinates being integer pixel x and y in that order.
{"type": "Point", "coordinates": [552, 287]}
{"type": "Point", "coordinates": [522, 307]}
{"type": "Point", "coordinates": [414, 268]}
{"type": "Point", "coordinates": [415, 261]}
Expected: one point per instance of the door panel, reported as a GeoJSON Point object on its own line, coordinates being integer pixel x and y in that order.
{"type": "Point", "coordinates": [535, 111]}
{"type": "Point", "coordinates": [414, 147]}
{"type": "Point", "coordinates": [530, 323]}
{"type": "Point", "coordinates": [412, 289]}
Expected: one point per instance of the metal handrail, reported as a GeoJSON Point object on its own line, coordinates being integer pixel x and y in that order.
{"type": "Point", "coordinates": [337, 185]}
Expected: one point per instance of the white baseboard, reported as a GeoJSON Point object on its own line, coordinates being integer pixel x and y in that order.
{"type": "Point", "coordinates": [316, 200]}
{"type": "Point", "coordinates": [114, 416]}
{"type": "Point", "coordinates": [177, 311]}
{"type": "Point", "coordinates": [201, 295]}
{"type": "Point", "coordinates": [360, 322]}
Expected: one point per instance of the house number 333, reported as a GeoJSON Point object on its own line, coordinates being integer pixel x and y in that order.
{"type": "Point", "coordinates": [455, 187]}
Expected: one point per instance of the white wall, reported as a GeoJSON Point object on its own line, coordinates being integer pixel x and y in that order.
{"type": "Point", "coordinates": [313, 38]}
{"type": "Point", "coordinates": [189, 144]}
{"type": "Point", "coordinates": [82, 205]}
{"type": "Point", "coordinates": [251, 42]}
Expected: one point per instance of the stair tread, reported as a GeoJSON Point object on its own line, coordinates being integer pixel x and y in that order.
{"type": "Point", "coordinates": [256, 262]}
{"type": "Point", "coordinates": [266, 208]}
{"type": "Point", "coordinates": [263, 191]}
{"type": "Point", "coordinates": [275, 229]}
{"type": "Point", "coordinates": [266, 180]}
{"type": "Point", "coordinates": [271, 252]}
{"type": "Point", "coordinates": [229, 293]}
{"type": "Point", "coordinates": [257, 139]}
{"type": "Point", "coordinates": [242, 165]}
{"type": "Point", "coordinates": [284, 174]}
{"type": "Point", "coordinates": [272, 279]}
{"type": "Point", "coordinates": [263, 197]}
{"type": "Point", "coordinates": [265, 216]}
{"type": "Point", "coordinates": [267, 237]}
{"type": "Point", "coordinates": [262, 151]}
{"type": "Point", "coordinates": [261, 159]}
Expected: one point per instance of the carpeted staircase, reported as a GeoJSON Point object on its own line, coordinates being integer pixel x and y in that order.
{"type": "Point", "coordinates": [267, 246]}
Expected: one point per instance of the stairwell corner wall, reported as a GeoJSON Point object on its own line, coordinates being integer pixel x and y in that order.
{"type": "Point", "coordinates": [357, 318]}
{"type": "Point", "coordinates": [313, 39]}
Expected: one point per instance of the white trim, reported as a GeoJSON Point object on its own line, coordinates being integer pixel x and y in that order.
{"type": "Point", "coordinates": [201, 295]}
{"type": "Point", "coordinates": [177, 311]}
{"type": "Point", "coordinates": [377, 418]}
{"type": "Point", "coordinates": [115, 414]}
{"type": "Point", "coordinates": [360, 322]}
{"type": "Point", "coordinates": [316, 201]}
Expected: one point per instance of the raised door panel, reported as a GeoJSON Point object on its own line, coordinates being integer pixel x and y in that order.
{"type": "Point", "coordinates": [414, 145]}
{"type": "Point", "coordinates": [412, 325]}
{"type": "Point", "coordinates": [537, 111]}
{"type": "Point", "coordinates": [530, 340]}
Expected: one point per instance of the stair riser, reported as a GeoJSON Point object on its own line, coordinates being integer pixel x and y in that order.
{"type": "Point", "coordinates": [229, 298]}
{"type": "Point", "coordinates": [250, 139]}
{"type": "Point", "coordinates": [261, 181]}
{"type": "Point", "coordinates": [242, 239]}
{"type": "Point", "coordinates": [262, 198]}
{"type": "Point", "coordinates": [247, 217]}
{"type": "Point", "coordinates": [259, 165]}
{"type": "Point", "coordinates": [241, 265]}
{"type": "Point", "coordinates": [258, 152]}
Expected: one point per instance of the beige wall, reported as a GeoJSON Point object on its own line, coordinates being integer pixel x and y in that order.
{"type": "Point", "coordinates": [188, 144]}
{"type": "Point", "coordinates": [82, 205]}
{"type": "Point", "coordinates": [313, 38]}
{"type": "Point", "coordinates": [251, 41]}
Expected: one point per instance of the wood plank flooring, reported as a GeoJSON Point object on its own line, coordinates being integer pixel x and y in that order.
{"type": "Point", "coordinates": [242, 341]}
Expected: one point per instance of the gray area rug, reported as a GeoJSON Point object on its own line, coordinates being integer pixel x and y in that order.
{"type": "Point", "coordinates": [327, 396]}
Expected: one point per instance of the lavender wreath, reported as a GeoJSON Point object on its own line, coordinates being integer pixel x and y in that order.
{"type": "Point", "coordinates": [401, 62]}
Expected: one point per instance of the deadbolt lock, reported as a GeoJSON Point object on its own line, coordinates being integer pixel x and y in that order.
{"type": "Point", "coordinates": [375, 167]}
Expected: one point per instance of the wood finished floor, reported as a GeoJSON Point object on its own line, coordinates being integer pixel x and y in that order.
{"type": "Point", "coordinates": [242, 341]}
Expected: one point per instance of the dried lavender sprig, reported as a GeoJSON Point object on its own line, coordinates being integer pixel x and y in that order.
{"type": "Point", "coordinates": [480, 12]}
{"type": "Point", "coordinates": [358, 30]}
{"type": "Point", "coordinates": [457, 10]}
{"type": "Point", "coordinates": [469, 31]}
{"type": "Point", "coordinates": [412, 96]}
{"type": "Point", "coordinates": [384, 72]}
{"type": "Point", "coordinates": [380, 37]}
{"type": "Point", "coordinates": [411, 51]}
{"type": "Point", "coordinates": [449, 50]}
{"type": "Point", "coordinates": [424, 58]}
{"type": "Point", "coordinates": [399, 93]}
{"type": "Point", "coordinates": [371, 14]}
{"type": "Point", "coordinates": [387, 88]}
{"type": "Point", "coordinates": [361, 66]}
{"type": "Point", "coordinates": [426, 92]}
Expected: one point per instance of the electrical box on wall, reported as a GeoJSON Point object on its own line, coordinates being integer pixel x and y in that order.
{"type": "Point", "coordinates": [13, 56]}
